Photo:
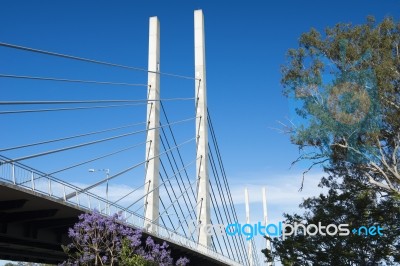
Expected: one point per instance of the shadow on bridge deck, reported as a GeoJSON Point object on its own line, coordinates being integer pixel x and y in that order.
{"type": "Point", "coordinates": [33, 227]}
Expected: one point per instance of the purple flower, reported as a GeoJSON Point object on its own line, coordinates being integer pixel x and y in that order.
{"type": "Point", "coordinates": [182, 261]}
{"type": "Point", "coordinates": [96, 237]}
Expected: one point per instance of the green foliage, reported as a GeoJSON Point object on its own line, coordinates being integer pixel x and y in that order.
{"type": "Point", "coordinates": [137, 260]}
{"type": "Point", "coordinates": [345, 86]}
{"type": "Point", "coordinates": [356, 204]}
{"type": "Point", "coordinates": [129, 258]}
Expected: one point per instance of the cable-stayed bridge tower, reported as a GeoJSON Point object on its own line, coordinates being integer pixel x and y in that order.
{"type": "Point", "coordinates": [167, 171]}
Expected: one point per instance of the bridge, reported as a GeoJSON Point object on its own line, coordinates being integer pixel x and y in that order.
{"type": "Point", "coordinates": [162, 175]}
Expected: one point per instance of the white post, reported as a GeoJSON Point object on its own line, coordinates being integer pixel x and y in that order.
{"type": "Point", "coordinates": [264, 199]}
{"type": "Point", "coordinates": [13, 173]}
{"type": "Point", "coordinates": [203, 209]}
{"type": "Point", "coordinates": [151, 207]}
{"type": "Point", "coordinates": [250, 247]}
{"type": "Point", "coordinates": [108, 203]}
{"type": "Point", "coordinates": [32, 181]}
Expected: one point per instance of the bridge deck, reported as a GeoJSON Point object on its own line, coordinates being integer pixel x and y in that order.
{"type": "Point", "coordinates": [33, 226]}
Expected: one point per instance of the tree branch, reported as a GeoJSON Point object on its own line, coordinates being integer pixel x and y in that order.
{"type": "Point", "coordinates": [376, 183]}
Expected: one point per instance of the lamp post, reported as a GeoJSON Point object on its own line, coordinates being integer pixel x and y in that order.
{"type": "Point", "coordinates": [107, 171]}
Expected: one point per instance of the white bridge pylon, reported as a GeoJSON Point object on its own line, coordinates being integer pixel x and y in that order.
{"type": "Point", "coordinates": [151, 191]}
{"type": "Point", "coordinates": [251, 245]}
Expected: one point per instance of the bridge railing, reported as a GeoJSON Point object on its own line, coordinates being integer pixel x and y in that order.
{"type": "Point", "coordinates": [31, 179]}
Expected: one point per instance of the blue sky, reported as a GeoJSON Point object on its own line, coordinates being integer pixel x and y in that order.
{"type": "Point", "coordinates": [246, 43]}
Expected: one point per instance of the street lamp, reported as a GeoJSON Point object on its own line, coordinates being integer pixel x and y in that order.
{"type": "Point", "coordinates": [107, 171]}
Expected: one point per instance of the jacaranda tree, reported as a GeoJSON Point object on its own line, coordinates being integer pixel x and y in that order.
{"type": "Point", "coordinates": [103, 240]}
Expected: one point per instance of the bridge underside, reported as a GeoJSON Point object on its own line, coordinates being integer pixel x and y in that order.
{"type": "Point", "coordinates": [33, 227]}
